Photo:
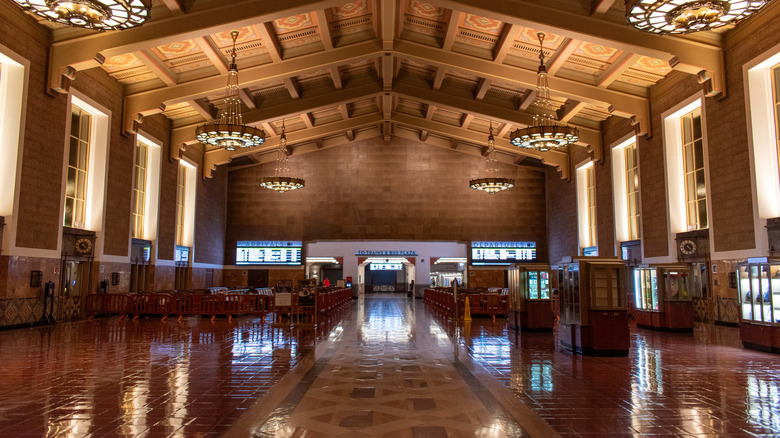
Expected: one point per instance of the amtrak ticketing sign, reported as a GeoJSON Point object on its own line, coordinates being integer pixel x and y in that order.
{"type": "Point", "coordinates": [502, 253]}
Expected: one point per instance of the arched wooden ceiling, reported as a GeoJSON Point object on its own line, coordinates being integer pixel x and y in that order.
{"type": "Point", "coordinates": [437, 70]}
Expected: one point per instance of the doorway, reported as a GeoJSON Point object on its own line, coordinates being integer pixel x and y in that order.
{"type": "Point", "coordinates": [76, 278]}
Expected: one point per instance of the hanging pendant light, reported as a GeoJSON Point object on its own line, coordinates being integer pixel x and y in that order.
{"type": "Point", "coordinates": [281, 182]}
{"type": "Point", "coordinates": [492, 183]}
{"type": "Point", "coordinates": [687, 16]}
{"type": "Point", "coordinates": [229, 132]}
{"type": "Point", "coordinates": [545, 133]}
{"type": "Point", "coordinates": [91, 14]}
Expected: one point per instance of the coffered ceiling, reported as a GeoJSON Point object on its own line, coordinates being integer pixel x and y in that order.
{"type": "Point", "coordinates": [437, 71]}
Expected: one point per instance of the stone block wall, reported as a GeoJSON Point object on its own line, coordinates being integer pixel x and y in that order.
{"type": "Point", "coordinates": [398, 190]}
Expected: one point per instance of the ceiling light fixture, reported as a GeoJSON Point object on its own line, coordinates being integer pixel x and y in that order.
{"type": "Point", "coordinates": [492, 183]}
{"type": "Point", "coordinates": [280, 181]}
{"type": "Point", "coordinates": [545, 133]}
{"type": "Point", "coordinates": [91, 14]}
{"type": "Point", "coordinates": [230, 132]}
{"type": "Point", "coordinates": [686, 16]}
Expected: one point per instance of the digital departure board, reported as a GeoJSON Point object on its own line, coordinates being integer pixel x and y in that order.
{"type": "Point", "coordinates": [269, 252]}
{"type": "Point", "coordinates": [502, 253]}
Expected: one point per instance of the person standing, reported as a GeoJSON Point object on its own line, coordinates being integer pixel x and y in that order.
{"type": "Point", "coordinates": [410, 294]}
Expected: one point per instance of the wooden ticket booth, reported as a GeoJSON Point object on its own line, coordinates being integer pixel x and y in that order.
{"type": "Point", "coordinates": [593, 316]}
{"type": "Point", "coordinates": [530, 306]}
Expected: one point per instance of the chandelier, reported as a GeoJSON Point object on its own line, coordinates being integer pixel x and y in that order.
{"type": "Point", "coordinates": [686, 16]}
{"type": "Point", "coordinates": [229, 132]}
{"type": "Point", "coordinates": [492, 183]}
{"type": "Point", "coordinates": [545, 133]}
{"type": "Point", "coordinates": [280, 181]}
{"type": "Point", "coordinates": [91, 14]}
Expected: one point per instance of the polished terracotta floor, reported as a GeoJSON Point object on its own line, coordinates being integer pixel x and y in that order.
{"type": "Point", "coordinates": [382, 367]}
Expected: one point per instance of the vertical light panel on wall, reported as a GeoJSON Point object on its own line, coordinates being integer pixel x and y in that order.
{"type": "Point", "coordinates": [620, 190]}
{"type": "Point", "coordinates": [98, 158]}
{"type": "Point", "coordinates": [13, 89]}
{"type": "Point", "coordinates": [188, 226]}
{"type": "Point", "coordinates": [152, 201]}
{"type": "Point", "coordinates": [673, 157]}
{"type": "Point", "coordinates": [584, 207]}
{"type": "Point", "coordinates": [763, 130]}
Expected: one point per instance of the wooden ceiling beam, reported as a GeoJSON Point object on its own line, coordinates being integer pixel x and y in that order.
{"type": "Point", "coordinates": [307, 120]}
{"type": "Point", "coordinates": [466, 120]}
{"type": "Point", "coordinates": [559, 57]}
{"type": "Point", "coordinates": [387, 22]}
{"type": "Point", "coordinates": [184, 135]}
{"type": "Point", "coordinates": [321, 16]}
{"type": "Point", "coordinates": [481, 109]}
{"type": "Point", "coordinates": [453, 22]}
{"type": "Point", "coordinates": [683, 54]}
{"type": "Point", "coordinates": [439, 78]}
{"type": "Point", "coordinates": [570, 110]}
{"type": "Point", "coordinates": [623, 63]}
{"type": "Point", "coordinates": [336, 76]}
{"type": "Point", "coordinates": [344, 112]}
{"type": "Point", "coordinates": [175, 6]}
{"type": "Point", "coordinates": [86, 50]}
{"type": "Point", "coordinates": [552, 158]}
{"type": "Point", "coordinates": [212, 53]}
{"type": "Point", "coordinates": [266, 31]}
{"type": "Point", "coordinates": [600, 7]}
{"type": "Point", "coordinates": [269, 129]}
{"type": "Point", "coordinates": [157, 67]}
{"type": "Point", "coordinates": [505, 43]}
{"type": "Point", "coordinates": [387, 71]}
{"type": "Point", "coordinates": [152, 102]}
{"type": "Point", "coordinates": [216, 157]}
{"type": "Point", "coordinates": [292, 88]}
{"type": "Point", "coordinates": [506, 127]}
{"type": "Point", "coordinates": [246, 99]}
{"type": "Point", "coordinates": [203, 111]}
{"type": "Point", "coordinates": [429, 111]}
{"type": "Point", "coordinates": [621, 104]}
{"type": "Point", "coordinates": [528, 98]}
{"type": "Point", "coordinates": [482, 88]}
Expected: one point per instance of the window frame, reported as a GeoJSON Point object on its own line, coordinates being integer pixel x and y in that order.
{"type": "Point", "coordinates": [140, 188]}
{"type": "Point", "coordinates": [186, 193]}
{"type": "Point", "coordinates": [762, 136]}
{"type": "Point", "coordinates": [586, 206]}
{"type": "Point", "coordinates": [621, 195]}
{"type": "Point", "coordinates": [694, 174]}
{"type": "Point", "coordinates": [79, 166]}
{"type": "Point", "coordinates": [673, 162]}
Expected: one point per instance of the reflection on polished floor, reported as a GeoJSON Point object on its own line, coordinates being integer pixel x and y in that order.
{"type": "Point", "coordinates": [382, 367]}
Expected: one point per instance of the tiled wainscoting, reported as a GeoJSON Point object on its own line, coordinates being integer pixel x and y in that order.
{"type": "Point", "coordinates": [19, 311]}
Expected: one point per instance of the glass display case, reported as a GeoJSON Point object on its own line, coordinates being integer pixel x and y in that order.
{"type": "Point", "coordinates": [759, 292]}
{"type": "Point", "coordinates": [646, 288]}
{"type": "Point", "coordinates": [662, 297]}
{"type": "Point", "coordinates": [758, 286]}
{"type": "Point", "coordinates": [530, 307]}
{"type": "Point", "coordinates": [593, 315]}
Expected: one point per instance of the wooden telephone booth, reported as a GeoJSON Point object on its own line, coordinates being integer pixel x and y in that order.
{"type": "Point", "coordinates": [530, 307]}
{"type": "Point", "coordinates": [593, 318]}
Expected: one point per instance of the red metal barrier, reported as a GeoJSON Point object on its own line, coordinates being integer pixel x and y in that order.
{"type": "Point", "coordinates": [94, 305]}
{"type": "Point", "coordinates": [230, 305]}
